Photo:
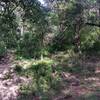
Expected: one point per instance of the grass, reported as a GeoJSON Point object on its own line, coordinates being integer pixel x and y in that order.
{"type": "Point", "coordinates": [41, 73]}
{"type": "Point", "coordinates": [47, 86]}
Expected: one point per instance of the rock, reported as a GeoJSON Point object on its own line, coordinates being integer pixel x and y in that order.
{"type": "Point", "coordinates": [13, 75]}
{"type": "Point", "coordinates": [6, 71]}
{"type": "Point", "coordinates": [65, 75]}
{"type": "Point", "coordinates": [6, 82]}
{"type": "Point", "coordinates": [17, 80]}
{"type": "Point", "coordinates": [1, 76]}
{"type": "Point", "coordinates": [11, 70]}
{"type": "Point", "coordinates": [12, 66]}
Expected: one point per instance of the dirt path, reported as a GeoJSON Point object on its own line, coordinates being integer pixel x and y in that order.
{"type": "Point", "coordinates": [9, 81]}
{"type": "Point", "coordinates": [4, 67]}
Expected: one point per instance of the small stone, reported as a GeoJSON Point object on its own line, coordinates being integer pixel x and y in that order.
{"type": "Point", "coordinates": [1, 76]}
{"type": "Point", "coordinates": [5, 72]}
{"type": "Point", "coordinates": [13, 75]}
{"type": "Point", "coordinates": [7, 82]}
{"type": "Point", "coordinates": [11, 70]}
{"type": "Point", "coordinates": [17, 80]}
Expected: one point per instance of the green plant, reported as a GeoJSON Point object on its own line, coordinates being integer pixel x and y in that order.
{"type": "Point", "coordinates": [18, 68]}
{"type": "Point", "coordinates": [42, 69]}
{"type": "Point", "coordinates": [33, 49]}
{"type": "Point", "coordinates": [3, 49]}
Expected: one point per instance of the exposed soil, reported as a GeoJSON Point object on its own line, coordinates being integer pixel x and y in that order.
{"type": "Point", "coordinates": [9, 81]}
{"type": "Point", "coordinates": [73, 86]}
{"type": "Point", "coordinates": [82, 86]}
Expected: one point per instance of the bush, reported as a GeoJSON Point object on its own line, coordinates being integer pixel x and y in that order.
{"type": "Point", "coordinates": [2, 48]}
{"type": "Point", "coordinates": [42, 69]}
{"type": "Point", "coordinates": [29, 46]}
{"type": "Point", "coordinates": [40, 72]}
{"type": "Point", "coordinates": [18, 68]}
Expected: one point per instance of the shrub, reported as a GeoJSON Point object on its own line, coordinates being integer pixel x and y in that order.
{"type": "Point", "coordinates": [29, 46]}
{"type": "Point", "coordinates": [40, 72]}
{"type": "Point", "coordinates": [42, 69]}
{"type": "Point", "coordinates": [18, 68]}
{"type": "Point", "coordinates": [3, 49]}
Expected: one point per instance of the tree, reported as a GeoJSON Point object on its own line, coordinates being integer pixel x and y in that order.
{"type": "Point", "coordinates": [72, 16]}
{"type": "Point", "coordinates": [19, 17]}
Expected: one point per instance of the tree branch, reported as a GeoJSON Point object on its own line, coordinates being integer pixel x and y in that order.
{"type": "Point", "coordinates": [93, 24]}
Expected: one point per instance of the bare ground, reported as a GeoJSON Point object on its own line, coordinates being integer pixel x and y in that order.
{"type": "Point", "coordinates": [74, 86]}
{"type": "Point", "coordinates": [81, 85]}
{"type": "Point", "coordinates": [9, 81]}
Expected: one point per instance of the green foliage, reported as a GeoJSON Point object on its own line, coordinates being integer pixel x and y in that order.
{"type": "Point", "coordinates": [38, 22]}
{"type": "Point", "coordinates": [28, 28]}
{"type": "Point", "coordinates": [29, 46]}
{"type": "Point", "coordinates": [3, 49]}
{"type": "Point", "coordinates": [18, 68]}
{"type": "Point", "coordinates": [41, 68]}
{"type": "Point", "coordinates": [90, 43]}
{"type": "Point", "coordinates": [41, 74]}
{"type": "Point", "coordinates": [8, 27]}
{"type": "Point", "coordinates": [11, 19]}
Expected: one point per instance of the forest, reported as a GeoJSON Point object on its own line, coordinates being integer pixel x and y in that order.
{"type": "Point", "coordinates": [49, 49]}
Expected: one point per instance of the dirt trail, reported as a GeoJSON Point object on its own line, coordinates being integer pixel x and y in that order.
{"type": "Point", "coordinates": [9, 81]}
{"type": "Point", "coordinates": [4, 67]}
{"type": "Point", "coordinates": [6, 62]}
